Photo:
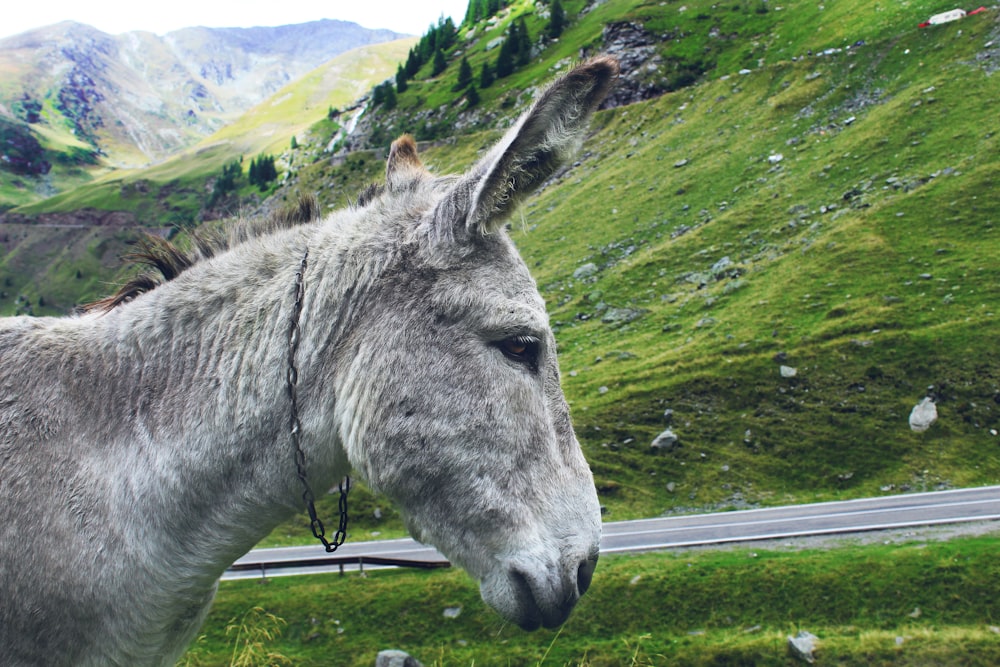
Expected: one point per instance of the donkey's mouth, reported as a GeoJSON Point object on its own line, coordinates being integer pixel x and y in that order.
{"type": "Point", "coordinates": [540, 604]}
{"type": "Point", "coordinates": [534, 599]}
{"type": "Point", "coordinates": [529, 612]}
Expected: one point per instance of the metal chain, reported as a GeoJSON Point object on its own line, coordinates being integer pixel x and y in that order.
{"type": "Point", "coordinates": [318, 530]}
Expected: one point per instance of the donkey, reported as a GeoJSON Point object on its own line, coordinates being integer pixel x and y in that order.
{"type": "Point", "coordinates": [146, 446]}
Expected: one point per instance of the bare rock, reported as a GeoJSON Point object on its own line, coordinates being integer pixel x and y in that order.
{"type": "Point", "coordinates": [635, 47]}
{"type": "Point", "coordinates": [802, 646]}
{"type": "Point", "coordinates": [395, 658]}
{"type": "Point", "coordinates": [923, 415]}
{"type": "Point", "coordinates": [667, 440]}
{"type": "Point", "coordinates": [585, 271]}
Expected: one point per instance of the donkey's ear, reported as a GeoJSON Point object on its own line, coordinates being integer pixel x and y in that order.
{"type": "Point", "coordinates": [403, 166]}
{"type": "Point", "coordinates": [541, 141]}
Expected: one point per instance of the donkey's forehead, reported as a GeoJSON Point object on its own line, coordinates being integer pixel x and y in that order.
{"type": "Point", "coordinates": [493, 285]}
{"type": "Point", "coordinates": [490, 307]}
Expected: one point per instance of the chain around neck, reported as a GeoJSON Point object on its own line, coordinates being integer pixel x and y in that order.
{"type": "Point", "coordinates": [295, 426]}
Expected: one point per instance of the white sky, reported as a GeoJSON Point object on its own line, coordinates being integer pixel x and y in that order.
{"type": "Point", "coordinates": [161, 16]}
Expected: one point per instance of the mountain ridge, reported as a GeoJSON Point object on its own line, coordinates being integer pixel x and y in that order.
{"type": "Point", "coordinates": [137, 97]}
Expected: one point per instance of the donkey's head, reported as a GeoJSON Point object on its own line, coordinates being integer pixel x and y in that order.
{"type": "Point", "coordinates": [448, 395]}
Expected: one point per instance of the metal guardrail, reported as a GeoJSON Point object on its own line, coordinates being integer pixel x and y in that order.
{"type": "Point", "coordinates": [320, 561]}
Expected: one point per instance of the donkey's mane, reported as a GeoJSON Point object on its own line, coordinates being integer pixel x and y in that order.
{"type": "Point", "coordinates": [163, 261]}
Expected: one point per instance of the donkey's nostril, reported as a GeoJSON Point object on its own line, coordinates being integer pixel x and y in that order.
{"type": "Point", "coordinates": [585, 574]}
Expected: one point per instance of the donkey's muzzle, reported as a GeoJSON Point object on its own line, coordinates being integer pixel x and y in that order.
{"type": "Point", "coordinates": [546, 598]}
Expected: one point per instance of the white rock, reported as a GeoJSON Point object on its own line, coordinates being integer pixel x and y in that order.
{"type": "Point", "coordinates": [923, 415]}
{"type": "Point", "coordinates": [789, 372]}
{"type": "Point", "coordinates": [802, 646]}
{"type": "Point", "coordinates": [666, 440]}
{"type": "Point", "coordinates": [585, 271]}
{"type": "Point", "coordinates": [395, 658]}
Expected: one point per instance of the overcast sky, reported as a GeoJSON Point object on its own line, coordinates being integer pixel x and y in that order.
{"type": "Point", "coordinates": [160, 16]}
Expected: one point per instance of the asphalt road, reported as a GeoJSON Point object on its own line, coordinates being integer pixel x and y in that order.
{"type": "Point", "coordinates": [851, 516]}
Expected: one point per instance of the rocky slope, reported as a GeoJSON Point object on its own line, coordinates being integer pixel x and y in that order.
{"type": "Point", "coordinates": [137, 97]}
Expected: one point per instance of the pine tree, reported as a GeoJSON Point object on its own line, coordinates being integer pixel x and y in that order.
{"type": "Point", "coordinates": [476, 12]}
{"type": "Point", "coordinates": [262, 171]}
{"type": "Point", "coordinates": [389, 97]}
{"type": "Point", "coordinates": [427, 45]}
{"type": "Point", "coordinates": [471, 97]}
{"type": "Point", "coordinates": [439, 63]}
{"type": "Point", "coordinates": [378, 95]}
{"type": "Point", "coordinates": [464, 75]}
{"type": "Point", "coordinates": [295, 143]}
{"type": "Point", "coordinates": [486, 76]}
{"type": "Point", "coordinates": [523, 44]}
{"type": "Point", "coordinates": [267, 170]}
{"type": "Point", "coordinates": [514, 37]}
{"type": "Point", "coordinates": [557, 20]}
{"type": "Point", "coordinates": [413, 63]}
{"type": "Point", "coordinates": [505, 59]}
{"type": "Point", "coordinates": [446, 33]}
{"type": "Point", "coordinates": [401, 84]}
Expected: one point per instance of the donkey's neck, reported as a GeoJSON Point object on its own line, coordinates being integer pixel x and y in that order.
{"type": "Point", "coordinates": [207, 415]}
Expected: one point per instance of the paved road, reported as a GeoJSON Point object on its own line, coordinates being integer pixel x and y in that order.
{"type": "Point", "coordinates": [851, 516]}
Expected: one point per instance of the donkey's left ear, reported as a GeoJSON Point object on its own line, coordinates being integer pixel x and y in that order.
{"type": "Point", "coordinates": [542, 140]}
{"type": "Point", "coordinates": [403, 166]}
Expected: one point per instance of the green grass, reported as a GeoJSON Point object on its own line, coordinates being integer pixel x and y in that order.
{"type": "Point", "coordinates": [269, 127]}
{"type": "Point", "coordinates": [730, 607]}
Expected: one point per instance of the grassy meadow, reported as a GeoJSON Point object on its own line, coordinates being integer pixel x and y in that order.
{"type": "Point", "coordinates": [777, 262]}
{"type": "Point", "coordinates": [913, 602]}
{"type": "Point", "coordinates": [834, 214]}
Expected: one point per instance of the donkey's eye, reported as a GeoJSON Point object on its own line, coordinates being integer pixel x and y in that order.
{"type": "Point", "coordinates": [522, 349]}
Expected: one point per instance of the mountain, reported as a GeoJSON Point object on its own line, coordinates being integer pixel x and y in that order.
{"type": "Point", "coordinates": [136, 98]}
{"type": "Point", "coordinates": [62, 251]}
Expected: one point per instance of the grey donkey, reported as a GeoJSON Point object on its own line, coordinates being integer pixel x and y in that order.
{"type": "Point", "coordinates": [146, 445]}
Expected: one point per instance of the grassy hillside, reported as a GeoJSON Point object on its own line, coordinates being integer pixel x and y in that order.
{"type": "Point", "coordinates": [832, 213]}
{"type": "Point", "coordinates": [835, 215]}
{"type": "Point", "coordinates": [904, 604]}
{"type": "Point", "coordinates": [821, 198]}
